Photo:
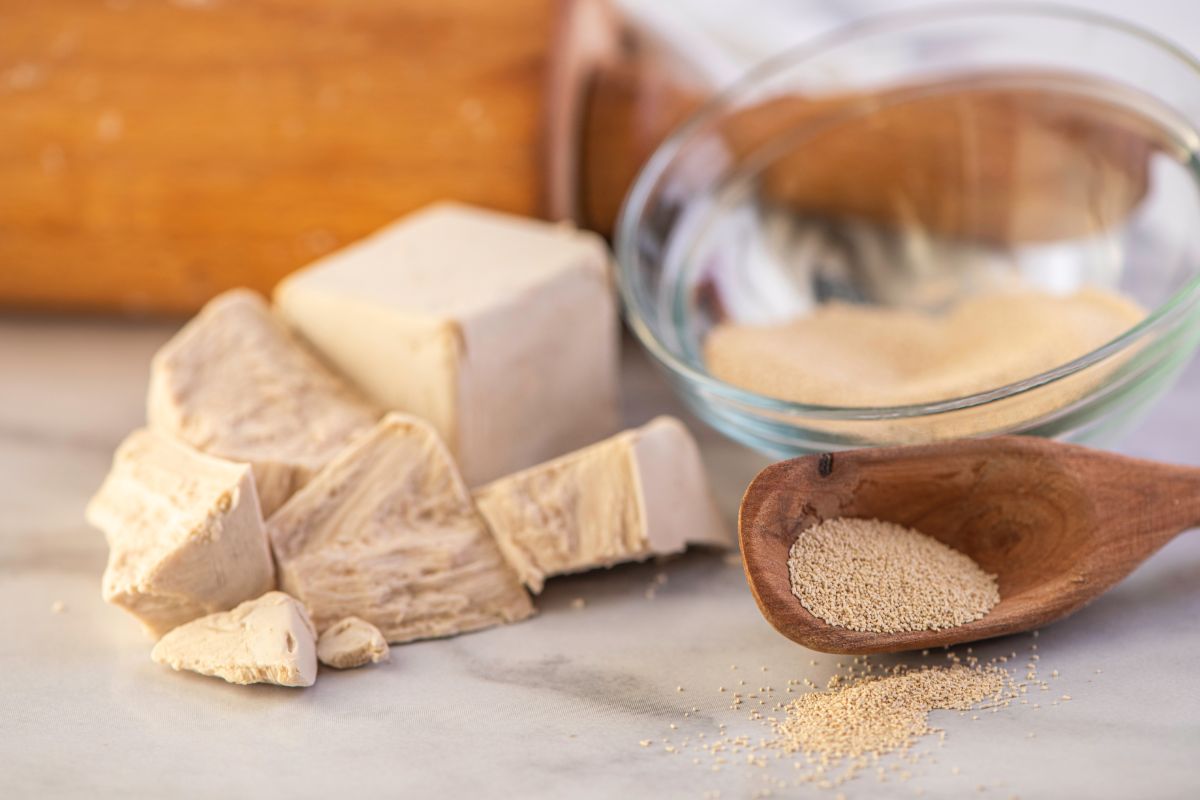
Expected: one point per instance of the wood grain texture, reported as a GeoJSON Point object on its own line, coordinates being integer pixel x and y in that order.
{"type": "Point", "coordinates": [155, 153]}
{"type": "Point", "coordinates": [1058, 524]}
{"type": "Point", "coordinates": [631, 105]}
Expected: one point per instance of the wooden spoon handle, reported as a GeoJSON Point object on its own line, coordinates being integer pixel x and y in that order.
{"type": "Point", "coordinates": [1146, 502]}
{"type": "Point", "coordinates": [1179, 488]}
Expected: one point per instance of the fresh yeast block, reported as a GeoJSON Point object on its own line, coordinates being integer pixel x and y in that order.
{"type": "Point", "coordinates": [184, 532]}
{"type": "Point", "coordinates": [351, 643]}
{"type": "Point", "coordinates": [266, 640]}
{"type": "Point", "coordinates": [640, 493]}
{"type": "Point", "coordinates": [235, 383]}
{"type": "Point", "coordinates": [387, 533]}
{"type": "Point", "coordinates": [501, 331]}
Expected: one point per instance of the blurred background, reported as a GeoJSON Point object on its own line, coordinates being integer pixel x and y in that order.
{"type": "Point", "coordinates": [156, 152]}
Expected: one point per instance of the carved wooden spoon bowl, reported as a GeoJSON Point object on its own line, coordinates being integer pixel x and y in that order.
{"type": "Point", "coordinates": [1058, 524]}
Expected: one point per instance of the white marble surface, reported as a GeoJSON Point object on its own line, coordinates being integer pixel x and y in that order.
{"type": "Point", "coordinates": [553, 707]}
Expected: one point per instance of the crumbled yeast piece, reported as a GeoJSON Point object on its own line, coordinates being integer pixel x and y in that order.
{"type": "Point", "coordinates": [235, 383]}
{"type": "Point", "coordinates": [387, 532]}
{"type": "Point", "coordinates": [184, 532]}
{"type": "Point", "coordinates": [267, 640]}
{"type": "Point", "coordinates": [500, 331]}
{"type": "Point", "coordinates": [640, 493]}
{"type": "Point", "coordinates": [351, 643]}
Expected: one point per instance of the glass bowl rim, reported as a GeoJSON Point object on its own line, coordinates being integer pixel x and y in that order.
{"type": "Point", "coordinates": [632, 208]}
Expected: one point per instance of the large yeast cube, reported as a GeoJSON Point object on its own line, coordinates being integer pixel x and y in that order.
{"type": "Point", "coordinates": [500, 331]}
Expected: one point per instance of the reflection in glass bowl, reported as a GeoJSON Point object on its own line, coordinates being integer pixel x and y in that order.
{"type": "Point", "coordinates": [928, 167]}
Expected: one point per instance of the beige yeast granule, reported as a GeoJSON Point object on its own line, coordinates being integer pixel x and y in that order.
{"type": "Point", "coordinates": [875, 715]}
{"type": "Point", "coordinates": [860, 356]}
{"type": "Point", "coordinates": [868, 575]}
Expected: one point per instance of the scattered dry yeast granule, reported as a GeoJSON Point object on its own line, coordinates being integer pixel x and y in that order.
{"type": "Point", "coordinates": [868, 575]}
{"type": "Point", "coordinates": [870, 723]}
{"type": "Point", "coordinates": [876, 715]}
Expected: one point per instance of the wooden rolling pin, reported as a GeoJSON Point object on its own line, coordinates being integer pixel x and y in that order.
{"type": "Point", "coordinates": [153, 154]}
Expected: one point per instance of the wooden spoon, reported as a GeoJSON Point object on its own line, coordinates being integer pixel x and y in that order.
{"type": "Point", "coordinates": [1057, 523]}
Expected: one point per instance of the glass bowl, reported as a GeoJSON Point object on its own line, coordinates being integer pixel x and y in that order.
{"type": "Point", "coordinates": [909, 164]}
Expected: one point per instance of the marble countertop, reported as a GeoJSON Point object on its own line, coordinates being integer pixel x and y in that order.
{"type": "Point", "coordinates": [552, 707]}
